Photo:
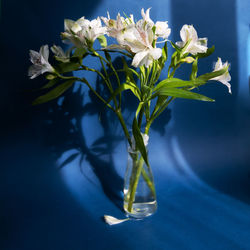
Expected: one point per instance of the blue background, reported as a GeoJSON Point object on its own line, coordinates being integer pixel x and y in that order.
{"type": "Point", "coordinates": [62, 169]}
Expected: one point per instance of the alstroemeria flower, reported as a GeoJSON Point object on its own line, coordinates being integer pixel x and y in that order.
{"type": "Point", "coordinates": [225, 78]}
{"type": "Point", "coordinates": [114, 27]}
{"type": "Point", "coordinates": [40, 62]}
{"type": "Point", "coordinates": [196, 45]}
{"type": "Point", "coordinates": [60, 55]}
{"type": "Point", "coordinates": [138, 38]}
{"type": "Point", "coordinates": [145, 16]}
{"type": "Point", "coordinates": [83, 32]}
{"type": "Point", "coordinates": [162, 30]}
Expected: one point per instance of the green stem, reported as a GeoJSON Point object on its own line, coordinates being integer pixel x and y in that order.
{"type": "Point", "coordinates": [87, 83]}
{"type": "Point", "coordinates": [124, 127]}
{"type": "Point", "coordinates": [138, 168]}
{"type": "Point", "coordinates": [148, 181]}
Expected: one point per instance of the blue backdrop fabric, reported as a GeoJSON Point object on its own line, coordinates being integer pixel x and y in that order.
{"type": "Point", "coordinates": [62, 167]}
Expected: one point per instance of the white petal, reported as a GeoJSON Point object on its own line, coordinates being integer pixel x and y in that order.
{"type": "Point", "coordinates": [184, 33]}
{"type": "Point", "coordinates": [162, 29]}
{"type": "Point", "coordinates": [203, 41]}
{"type": "Point", "coordinates": [34, 71]}
{"type": "Point", "coordinates": [34, 56]}
{"type": "Point", "coordinates": [180, 44]}
{"type": "Point", "coordinates": [156, 53]}
{"type": "Point", "coordinates": [58, 51]}
{"type": "Point", "coordinates": [195, 48]}
{"type": "Point", "coordinates": [138, 58]}
{"type": "Point", "coordinates": [44, 51]}
{"type": "Point", "coordinates": [76, 28]}
{"type": "Point", "coordinates": [68, 24]}
{"type": "Point", "coordinates": [81, 21]}
{"type": "Point", "coordinates": [188, 32]}
{"type": "Point", "coordinates": [192, 33]}
{"type": "Point", "coordinates": [228, 85]}
{"type": "Point", "coordinates": [112, 220]}
{"type": "Point", "coordinates": [218, 64]}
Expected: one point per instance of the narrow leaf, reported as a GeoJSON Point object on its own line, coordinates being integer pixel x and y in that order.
{"type": "Point", "coordinates": [213, 74]}
{"type": "Point", "coordinates": [139, 141]}
{"type": "Point", "coordinates": [181, 93]}
{"type": "Point", "coordinates": [79, 52]}
{"type": "Point", "coordinates": [54, 93]}
{"type": "Point", "coordinates": [128, 71]}
{"type": "Point", "coordinates": [178, 49]}
{"type": "Point", "coordinates": [51, 83]}
{"type": "Point", "coordinates": [125, 86]}
{"type": "Point", "coordinates": [175, 82]}
{"type": "Point", "coordinates": [67, 67]}
{"type": "Point", "coordinates": [208, 53]}
{"type": "Point", "coordinates": [139, 108]}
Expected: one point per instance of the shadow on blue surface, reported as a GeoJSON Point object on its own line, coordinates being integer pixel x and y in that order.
{"type": "Point", "coordinates": [202, 167]}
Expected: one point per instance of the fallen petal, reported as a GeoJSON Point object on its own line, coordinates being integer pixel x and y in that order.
{"type": "Point", "coordinates": [112, 220]}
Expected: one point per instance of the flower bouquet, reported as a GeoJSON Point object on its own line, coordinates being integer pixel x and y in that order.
{"type": "Point", "coordinates": [137, 43]}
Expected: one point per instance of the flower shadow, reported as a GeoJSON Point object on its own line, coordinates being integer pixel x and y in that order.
{"type": "Point", "coordinates": [63, 126]}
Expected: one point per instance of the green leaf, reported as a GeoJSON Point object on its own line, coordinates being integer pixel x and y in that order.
{"type": "Point", "coordinates": [126, 86]}
{"type": "Point", "coordinates": [175, 82]}
{"type": "Point", "coordinates": [139, 141]}
{"type": "Point", "coordinates": [185, 46]}
{"type": "Point", "coordinates": [164, 56]}
{"type": "Point", "coordinates": [139, 108]}
{"type": "Point", "coordinates": [129, 72]}
{"type": "Point", "coordinates": [160, 100]}
{"type": "Point", "coordinates": [178, 49]}
{"type": "Point", "coordinates": [51, 83]}
{"type": "Point", "coordinates": [143, 72]}
{"type": "Point", "coordinates": [67, 67]}
{"type": "Point", "coordinates": [181, 93]}
{"type": "Point", "coordinates": [165, 51]}
{"type": "Point", "coordinates": [79, 52]}
{"type": "Point", "coordinates": [213, 74]}
{"type": "Point", "coordinates": [54, 93]}
{"type": "Point", "coordinates": [208, 53]}
{"type": "Point", "coordinates": [103, 41]}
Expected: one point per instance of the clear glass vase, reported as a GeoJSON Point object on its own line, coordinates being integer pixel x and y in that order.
{"type": "Point", "coordinates": [139, 189]}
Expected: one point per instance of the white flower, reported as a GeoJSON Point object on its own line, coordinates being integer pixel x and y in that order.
{"type": "Point", "coordinates": [138, 38]}
{"type": "Point", "coordinates": [114, 27]}
{"type": "Point", "coordinates": [93, 29]}
{"type": "Point", "coordinates": [146, 17]}
{"type": "Point", "coordinates": [60, 55]}
{"type": "Point", "coordinates": [196, 45]}
{"type": "Point", "coordinates": [83, 32]}
{"type": "Point", "coordinates": [146, 57]}
{"type": "Point", "coordinates": [162, 30]}
{"type": "Point", "coordinates": [112, 220]}
{"type": "Point", "coordinates": [225, 78]}
{"type": "Point", "coordinates": [40, 62]}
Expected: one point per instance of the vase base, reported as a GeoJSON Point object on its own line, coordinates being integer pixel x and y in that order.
{"type": "Point", "coordinates": [141, 210]}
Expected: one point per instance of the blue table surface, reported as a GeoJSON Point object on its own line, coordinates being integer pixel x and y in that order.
{"type": "Point", "coordinates": [62, 167]}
